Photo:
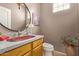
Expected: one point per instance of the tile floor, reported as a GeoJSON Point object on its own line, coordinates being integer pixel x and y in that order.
{"type": "Point", "coordinates": [57, 53]}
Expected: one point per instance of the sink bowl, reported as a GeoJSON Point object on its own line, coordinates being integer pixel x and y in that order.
{"type": "Point", "coordinates": [3, 38]}
{"type": "Point", "coordinates": [15, 39]}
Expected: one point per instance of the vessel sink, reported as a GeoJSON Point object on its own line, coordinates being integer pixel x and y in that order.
{"type": "Point", "coordinates": [15, 39]}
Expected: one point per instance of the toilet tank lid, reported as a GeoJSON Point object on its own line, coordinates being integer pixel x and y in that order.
{"type": "Point", "coordinates": [47, 45]}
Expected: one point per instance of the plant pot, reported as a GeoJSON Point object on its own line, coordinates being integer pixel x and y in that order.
{"type": "Point", "coordinates": [69, 49]}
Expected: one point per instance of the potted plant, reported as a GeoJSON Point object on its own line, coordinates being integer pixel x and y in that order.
{"type": "Point", "coordinates": [70, 43]}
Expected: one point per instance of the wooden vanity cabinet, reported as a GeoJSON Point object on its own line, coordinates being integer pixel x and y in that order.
{"type": "Point", "coordinates": [31, 49]}
{"type": "Point", "coordinates": [28, 54]}
{"type": "Point", "coordinates": [37, 48]}
{"type": "Point", "coordinates": [18, 51]}
{"type": "Point", "coordinates": [37, 51]}
{"type": "Point", "coordinates": [37, 43]}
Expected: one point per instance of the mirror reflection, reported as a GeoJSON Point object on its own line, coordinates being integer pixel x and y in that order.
{"type": "Point", "coordinates": [14, 16]}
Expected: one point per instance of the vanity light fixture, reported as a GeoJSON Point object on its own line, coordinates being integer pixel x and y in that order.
{"type": "Point", "coordinates": [18, 5]}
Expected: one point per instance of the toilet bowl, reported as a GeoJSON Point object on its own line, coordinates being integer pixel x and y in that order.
{"type": "Point", "coordinates": [48, 49]}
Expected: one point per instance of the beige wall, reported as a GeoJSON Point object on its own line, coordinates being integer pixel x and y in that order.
{"type": "Point", "coordinates": [35, 8]}
{"type": "Point", "coordinates": [57, 25]}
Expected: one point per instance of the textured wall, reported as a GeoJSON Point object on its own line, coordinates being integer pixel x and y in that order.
{"type": "Point", "coordinates": [57, 25]}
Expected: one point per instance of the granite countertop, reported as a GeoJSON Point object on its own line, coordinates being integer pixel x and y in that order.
{"type": "Point", "coordinates": [6, 46]}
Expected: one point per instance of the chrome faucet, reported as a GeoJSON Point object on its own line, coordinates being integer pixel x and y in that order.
{"type": "Point", "coordinates": [19, 33]}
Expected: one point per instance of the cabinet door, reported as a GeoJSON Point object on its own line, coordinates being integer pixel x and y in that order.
{"type": "Point", "coordinates": [37, 51]}
{"type": "Point", "coordinates": [18, 51]}
{"type": "Point", "coordinates": [37, 42]}
{"type": "Point", "coordinates": [28, 54]}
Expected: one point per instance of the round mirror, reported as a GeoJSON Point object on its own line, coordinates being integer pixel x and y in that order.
{"type": "Point", "coordinates": [14, 16]}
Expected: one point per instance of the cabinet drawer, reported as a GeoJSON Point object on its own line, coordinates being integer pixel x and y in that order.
{"type": "Point", "coordinates": [37, 42]}
{"type": "Point", "coordinates": [18, 51]}
{"type": "Point", "coordinates": [38, 51]}
{"type": "Point", "coordinates": [28, 54]}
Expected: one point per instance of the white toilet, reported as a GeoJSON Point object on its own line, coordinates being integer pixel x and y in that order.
{"type": "Point", "coordinates": [48, 49]}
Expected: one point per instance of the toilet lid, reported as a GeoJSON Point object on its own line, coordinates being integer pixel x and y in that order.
{"type": "Point", "coordinates": [47, 45]}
